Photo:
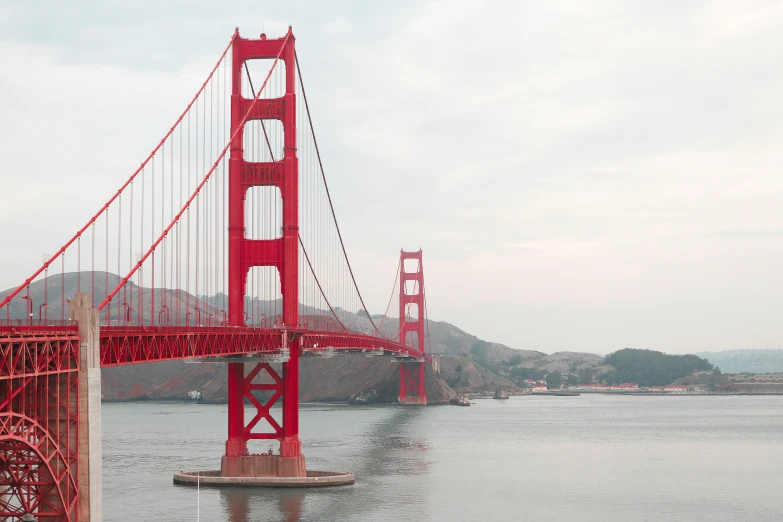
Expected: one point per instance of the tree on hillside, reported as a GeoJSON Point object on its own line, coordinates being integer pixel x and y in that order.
{"type": "Point", "coordinates": [585, 376]}
{"type": "Point", "coordinates": [554, 380]}
{"type": "Point", "coordinates": [515, 359]}
{"type": "Point", "coordinates": [528, 373]}
{"type": "Point", "coordinates": [479, 352]}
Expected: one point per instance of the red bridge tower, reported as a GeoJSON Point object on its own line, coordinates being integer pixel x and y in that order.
{"type": "Point", "coordinates": [281, 253]}
{"type": "Point", "coordinates": [412, 300]}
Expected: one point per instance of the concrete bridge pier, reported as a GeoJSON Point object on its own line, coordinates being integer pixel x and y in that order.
{"type": "Point", "coordinates": [90, 475]}
{"type": "Point", "coordinates": [412, 384]}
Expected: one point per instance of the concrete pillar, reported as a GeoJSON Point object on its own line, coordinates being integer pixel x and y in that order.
{"type": "Point", "coordinates": [90, 475]}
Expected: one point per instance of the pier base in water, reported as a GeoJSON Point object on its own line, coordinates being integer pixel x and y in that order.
{"type": "Point", "coordinates": [263, 466]}
{"type": "Point", "coordinates": [313, 479]}
{"type": "Point", "coordinates": [266, 470]}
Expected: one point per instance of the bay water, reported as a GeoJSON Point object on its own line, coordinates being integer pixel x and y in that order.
{"type": "Point", "coordinates": [587, 458]}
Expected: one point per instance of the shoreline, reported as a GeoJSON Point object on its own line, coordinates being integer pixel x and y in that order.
{"type": "Point", "coordinates": [346, 402]}
{"type": "Point", "coordinates": [446, 403]}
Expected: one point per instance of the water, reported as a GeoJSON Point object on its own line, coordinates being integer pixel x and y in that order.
{"type": "Point", "coordinates": [588, 458]}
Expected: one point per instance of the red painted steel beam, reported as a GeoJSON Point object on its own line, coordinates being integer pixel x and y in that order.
{"type": "Point", "coordinates": [42, 351]}
{"type": "Point", "coordinates": [131, 345]}
{"type": "Point", "coordinates": [36, 354]}
{"type": "Point", "coordinates": [138, 344]}
{"type": "Point", "coordinates": [316, 341]}
{"type": "Point", "coordinates": [262, 174]}
{"type": "Point", "coordinates": [263, 109]}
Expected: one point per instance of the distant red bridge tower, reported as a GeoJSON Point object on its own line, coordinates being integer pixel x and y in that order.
{"type": "Point", "coordinates": [412, 300]}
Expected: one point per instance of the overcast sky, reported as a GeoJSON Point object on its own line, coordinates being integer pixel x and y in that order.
{"type": "Point", "coordinates": [581, 176]}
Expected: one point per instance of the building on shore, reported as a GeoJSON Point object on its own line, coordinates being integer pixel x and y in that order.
{"type": "Point", "coordinates": [626, 386]}
{"type": "Point", "coordinates": [630, 387]}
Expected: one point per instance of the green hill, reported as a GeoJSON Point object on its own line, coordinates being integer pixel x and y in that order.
{"type": "Point", "coordinates": [651, 368]}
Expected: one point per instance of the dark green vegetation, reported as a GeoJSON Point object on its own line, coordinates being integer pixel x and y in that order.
{"type": "Point", "coordinates": [554, 380]}
{"type": "Point", "coordinates": [528, 373]}
{"type": "Point", "coordinates": [479, 352]}
{"type": "Point", "coordinates": [651, 368]}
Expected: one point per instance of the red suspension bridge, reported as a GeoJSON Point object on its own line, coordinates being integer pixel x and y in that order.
{"type": "Point", "coordinates": [222, 246]}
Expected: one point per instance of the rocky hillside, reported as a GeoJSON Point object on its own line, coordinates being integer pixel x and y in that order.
{"type": "Point", "coordinates": [139, 381]}
{"type": "Point", "coordinates": [339, 379]}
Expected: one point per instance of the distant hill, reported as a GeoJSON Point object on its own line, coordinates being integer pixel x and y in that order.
{"type": "Point", "coordinates": [651, 368]}
{"type": "Point", "coordinates": [468, 364]}
{"type": "Point", "coordinates": [746, 361]}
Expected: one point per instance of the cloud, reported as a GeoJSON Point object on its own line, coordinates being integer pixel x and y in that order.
{"type": "Point", "coordinates": [580, 175]}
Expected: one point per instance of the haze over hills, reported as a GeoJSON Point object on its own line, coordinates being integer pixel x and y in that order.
{"type": "Point", "coordinates": [468, 364]}
{"type": "Point", "coordinates": [746, 361]}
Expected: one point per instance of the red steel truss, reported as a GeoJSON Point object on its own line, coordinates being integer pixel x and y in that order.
{"type": "Point", "coordinates": [38, 423]}
{"type": "Point", "coordinates": [262, 410]}
{"type": "Point", "coordinates": [140, 344]}
{"type": "Point", "coordinates": [130, 345]}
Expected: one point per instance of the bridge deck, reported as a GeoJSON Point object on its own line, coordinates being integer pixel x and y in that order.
{"type": "Point", "coordinates": [140, 344]}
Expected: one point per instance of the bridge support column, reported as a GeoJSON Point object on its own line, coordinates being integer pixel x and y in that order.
{"type": "Point", "coordinates": [412, 383]}
{"type": "Point", "coordinates": [292, 460]}
{"type": "Point", "coordinates": [90, 475]}
{"type": "Point", "coordinates": [289, 462]}
{"type": "Point", "coordinates": [236, 444]}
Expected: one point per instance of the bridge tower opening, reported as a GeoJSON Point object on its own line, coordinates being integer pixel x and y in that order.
{"type": "Point", "coordinates": [281, 253]}
{"type": "Point", "coordinates": [412, 389]}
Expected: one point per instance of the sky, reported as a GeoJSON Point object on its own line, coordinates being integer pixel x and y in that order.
{"type": "Point", "coordinates": [581, 176]}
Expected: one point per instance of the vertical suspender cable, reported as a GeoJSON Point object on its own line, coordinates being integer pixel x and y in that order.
{"type": "Point", "coordinates": [326, 188]}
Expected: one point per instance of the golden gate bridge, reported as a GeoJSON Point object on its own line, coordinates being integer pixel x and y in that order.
{"type": "Point", "coordinates": [223, 245]}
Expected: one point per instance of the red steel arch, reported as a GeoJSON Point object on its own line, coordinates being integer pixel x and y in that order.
{"type": "Point", "coordinates": [39, 422]}
{"type": "Point", "coordinates": [38, 478]}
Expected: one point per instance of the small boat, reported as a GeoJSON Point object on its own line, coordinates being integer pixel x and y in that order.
{"type": "Point", "coordinates": [500, 394]}
{"type": "Point", "coordinates": [460, 400]}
